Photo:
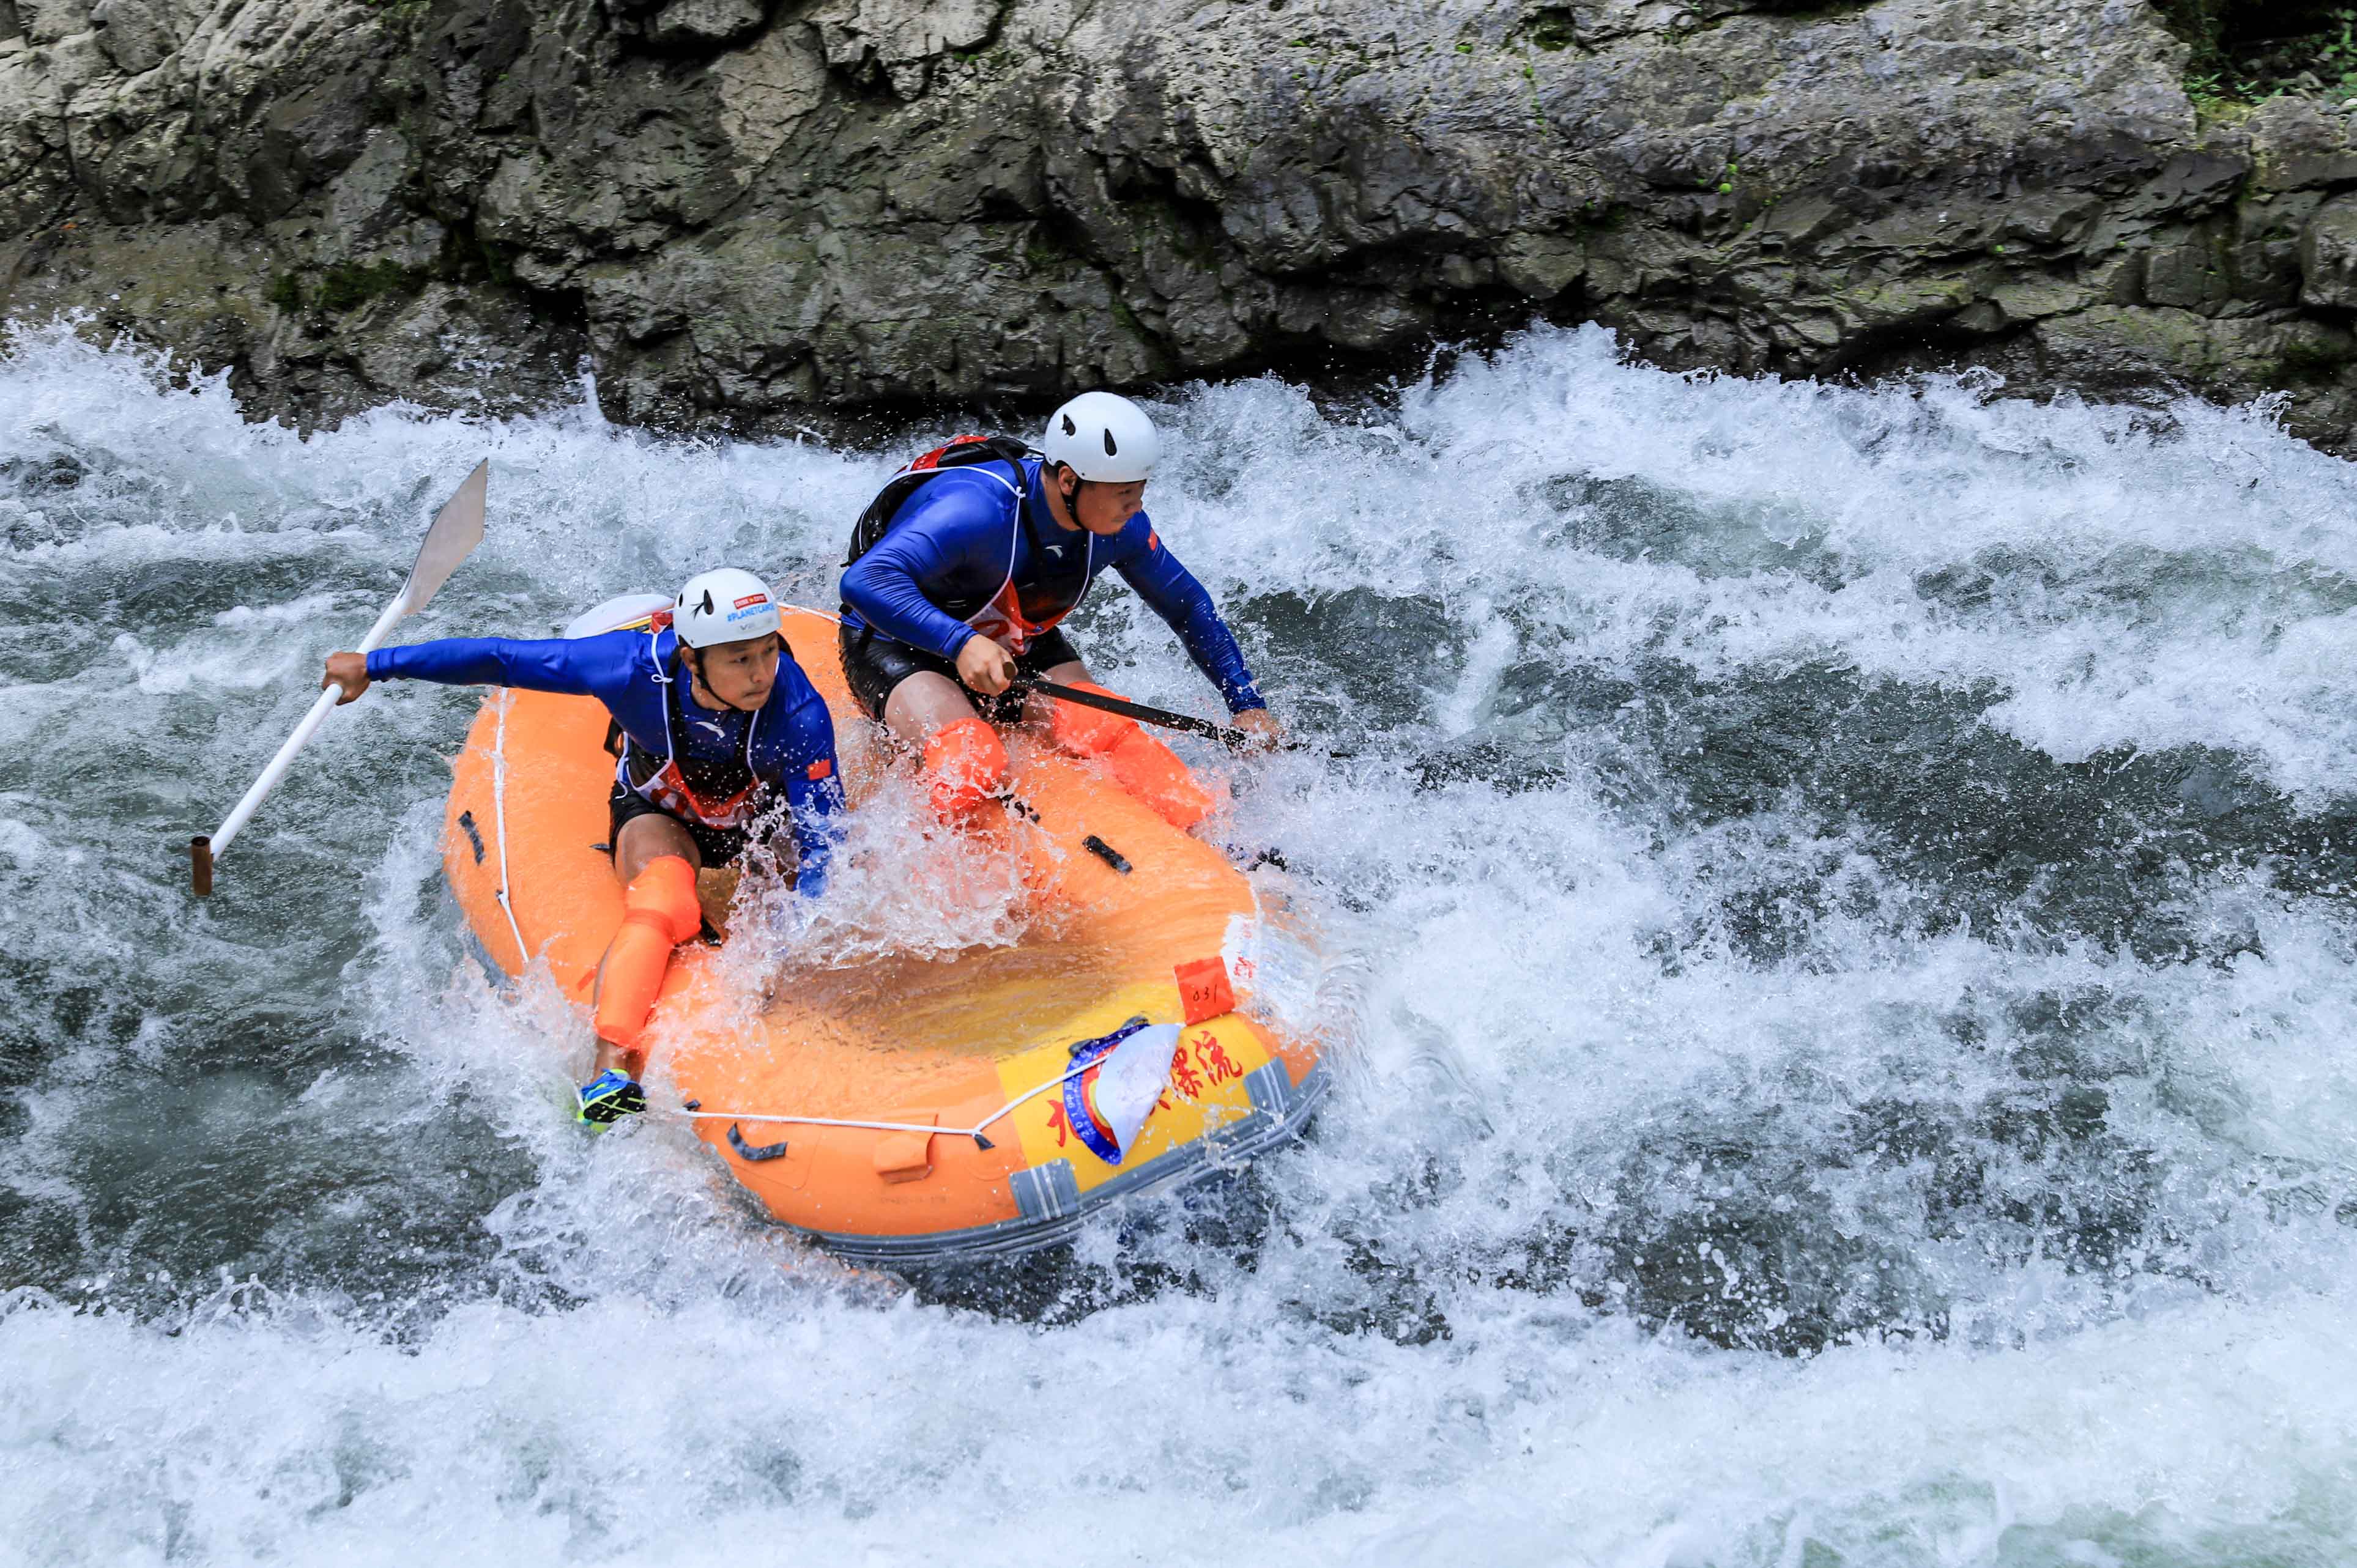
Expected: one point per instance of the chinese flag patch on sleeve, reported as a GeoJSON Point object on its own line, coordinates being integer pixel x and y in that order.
{"type": "Point", "coordinates": [823, 768]}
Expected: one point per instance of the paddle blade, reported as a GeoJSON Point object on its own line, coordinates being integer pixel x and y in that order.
{"type": "Point", "coordinates": [458, 529]}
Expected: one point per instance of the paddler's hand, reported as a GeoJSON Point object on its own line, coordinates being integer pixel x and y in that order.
{"type": "Point", "coordinates": [349, 671]}
{"type": "Point", "coordinates": [985, 666]}
{"type": "Point", "coordinates": [1262, 726]}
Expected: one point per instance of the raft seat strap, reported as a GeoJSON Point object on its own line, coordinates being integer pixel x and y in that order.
{"type": "Point", "coordinates": [755, 1152]}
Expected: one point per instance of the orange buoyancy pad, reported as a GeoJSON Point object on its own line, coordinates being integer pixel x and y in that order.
{"type": "Point", "coordinates": [1142, 765]}
{"type": "Point", "coordinates": [969, 768]}
{"type": "Point", "coordinates": [659, 912]}
{"type": "Point", "coordinates": [1152, 771]}
{"type": "Point", "coordinates": [1088, 732]}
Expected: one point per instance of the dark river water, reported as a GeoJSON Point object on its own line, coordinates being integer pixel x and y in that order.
{"type": "Point", "coordinates": [1849, 899]}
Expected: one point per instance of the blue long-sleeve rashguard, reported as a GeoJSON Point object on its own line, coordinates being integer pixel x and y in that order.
{"type": "Point", "coordinates": [788, 742]}
{"type": "Point", "coordinates": [977, 551]}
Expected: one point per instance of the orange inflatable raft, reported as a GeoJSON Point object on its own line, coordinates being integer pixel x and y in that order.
{"type": "Point", "coordinates": [919, 1107]}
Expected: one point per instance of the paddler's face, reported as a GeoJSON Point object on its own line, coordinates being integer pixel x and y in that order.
{"type": "Point", "coordinates": [1102, 508]}
{"type": "Point", "coordinates": [740, 675]}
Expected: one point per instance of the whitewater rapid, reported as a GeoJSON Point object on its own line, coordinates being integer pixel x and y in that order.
{"type": "Point", "coordinates": [1853, 894]}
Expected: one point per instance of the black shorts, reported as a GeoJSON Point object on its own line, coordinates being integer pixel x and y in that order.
{"type": "Point", "coordinates": [717, 846]}
{"type": "Point", "coordinates": [875, 663]}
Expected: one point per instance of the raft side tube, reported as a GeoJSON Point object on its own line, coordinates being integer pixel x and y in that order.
{"type": "Point", "coordinates": [1052, 1208]}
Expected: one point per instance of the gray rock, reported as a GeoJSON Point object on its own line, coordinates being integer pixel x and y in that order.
{"type": "Point", "coordinates": [746, 212]}
{"type": "Point", "coordinates": [898, 41]}
{"type": "Point", "coordinates": [2328, 255]}
{"type": "Point", "coordinates": [137, 35]}
{"type": "Point", "coordinates": [692, 22]}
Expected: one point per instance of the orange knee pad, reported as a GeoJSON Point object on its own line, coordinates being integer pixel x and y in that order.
{"type": "Point", "coordinates": [659, 912]}
{"type": "Point", "coordinates": [1142, 765]}
{"type": "Point", "coordinates": [969, 768]}
{"type": "Point", "coordinates": [1088, 732]}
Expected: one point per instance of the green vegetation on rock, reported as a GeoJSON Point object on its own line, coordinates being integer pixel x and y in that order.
{"type": "Point", "coordinates": [345, 286]}
{"type": "Point", "coordinates": [1552, 29]}
{"type": "Point", "coordinates": [2311, 357]}
{"type": "Point", "coordinates": [348, 285]}
{"type": "Point", "coordinates": [2244, 51]}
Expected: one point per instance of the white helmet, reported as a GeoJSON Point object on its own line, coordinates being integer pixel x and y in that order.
{"type": "Point", "coordinates": [1103, 437]}
{"type": "Point", "coordinates": [727, 605]}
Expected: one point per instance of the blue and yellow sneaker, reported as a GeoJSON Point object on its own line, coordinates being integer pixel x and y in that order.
{"type": "Point", "coordinates": [609, 1097]}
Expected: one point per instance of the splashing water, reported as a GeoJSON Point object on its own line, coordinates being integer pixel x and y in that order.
{"type": "Point", "coordinates": [1853, 889]}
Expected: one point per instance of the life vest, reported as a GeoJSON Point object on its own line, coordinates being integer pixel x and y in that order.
{"type": "Point", "coordinates": [960, 452]}
{"type": "Point", "coordinates": [1010, 617]}
{"type": "Point", "coordinates": [717, 794]}
{"type": "Point", "coordinates": [1013, 617]}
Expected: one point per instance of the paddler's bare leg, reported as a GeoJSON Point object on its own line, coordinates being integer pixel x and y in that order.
{"type": "Point", "coordinates": [1142, 765]}
{"type": "Point", "coordinates": [656, 860]}
{"type": "Point", "coordinates": [964, 758]}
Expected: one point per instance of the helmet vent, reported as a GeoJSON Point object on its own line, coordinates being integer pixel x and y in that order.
{"type": "Point", "coordinates": [1111, 450]}
{"type": "Point", "coordinates": [1069, 428]}
{"type": "Point", "coordinates": [707, 601]}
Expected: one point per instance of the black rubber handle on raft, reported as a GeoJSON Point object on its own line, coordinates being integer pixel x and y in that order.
{"type": "Point", "coordinates": [755, 1151]}
{"type": "Point", "coordinates": [1227, 734]}
{"type": "Point", "coordinates": [1106, 853]}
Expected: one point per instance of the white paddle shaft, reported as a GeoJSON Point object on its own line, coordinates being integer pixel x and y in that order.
{"type": "Point", "coordinates": [456, 529]}
{"type": "Point", "coordinates": [245, 807]}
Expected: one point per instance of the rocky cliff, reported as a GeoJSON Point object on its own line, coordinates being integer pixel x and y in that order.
{"type": "Point", "coordinates": [743, 212]}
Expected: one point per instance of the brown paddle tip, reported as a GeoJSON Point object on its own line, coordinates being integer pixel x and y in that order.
{"type": "Point", "coordinates": [201, 865]}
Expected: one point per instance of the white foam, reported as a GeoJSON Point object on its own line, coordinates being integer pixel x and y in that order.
{"type": "Point", "coordinates": [1569, 1044]}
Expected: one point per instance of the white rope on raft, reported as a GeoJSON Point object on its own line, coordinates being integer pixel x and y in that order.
{"type": "Point", "coordinates": [974, 1132]}
{"type": "Point", "coordinates": [500, 824]}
